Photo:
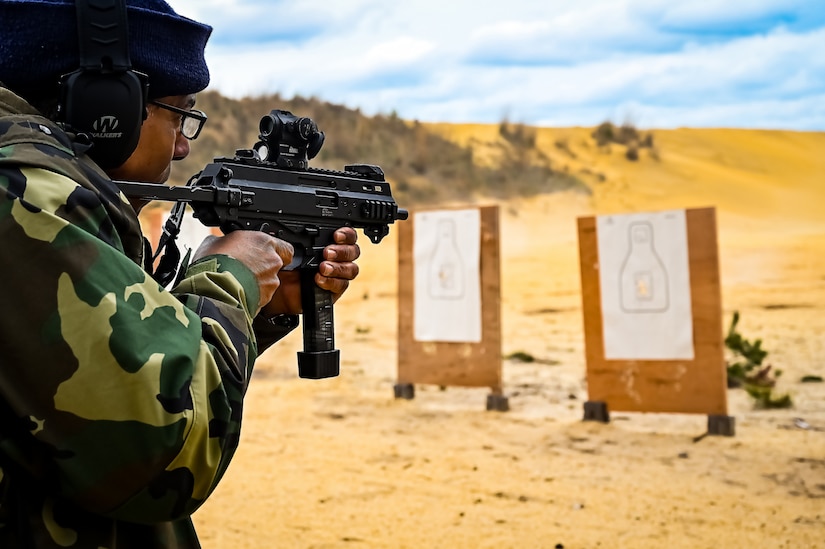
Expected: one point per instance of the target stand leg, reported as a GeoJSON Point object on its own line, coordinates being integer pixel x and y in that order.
{"type": "Point", "coordinates": [722, 426]}
{"type": "Point", "coordinates": [498, 402]}
{"type": "Point", "coordinates": [596, 410]}
{"type": "Point", "coordinates": [405, 391]}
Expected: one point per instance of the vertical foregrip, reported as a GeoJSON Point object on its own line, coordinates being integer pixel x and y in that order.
{"type": "Point", "coordinates": [319, 359]}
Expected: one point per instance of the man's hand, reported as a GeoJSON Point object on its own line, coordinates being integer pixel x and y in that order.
{"type": "Point", "coordinates": [263, 254]}
{"type": "Point", "coordinates": [334, 274]}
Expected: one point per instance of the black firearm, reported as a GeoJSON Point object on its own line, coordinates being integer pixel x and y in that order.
{"type": "Point", "coordinates": [271, 188]}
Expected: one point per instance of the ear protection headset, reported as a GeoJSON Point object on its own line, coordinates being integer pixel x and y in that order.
{"type": "Point", "coordinates": [104, 99]}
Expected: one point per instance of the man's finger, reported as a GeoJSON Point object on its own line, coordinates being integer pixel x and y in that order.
{"type": "Point", "coordinates": [335, 285]}
{"type": "Point", "coordinates": [346, 271]}
{"type": "Point", "coordinates": [342, 252]}
{"type": "Point", "coordinates": [345, 235]}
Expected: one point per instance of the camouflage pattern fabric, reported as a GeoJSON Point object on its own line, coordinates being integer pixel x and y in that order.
{"type": "Point", "coordinates": [120, 402]}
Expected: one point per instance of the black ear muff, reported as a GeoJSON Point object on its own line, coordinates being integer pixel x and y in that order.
{"type": "Point", "coordinates": [104, 98]}
{"type": "Point", "coordinates": [109, 108]}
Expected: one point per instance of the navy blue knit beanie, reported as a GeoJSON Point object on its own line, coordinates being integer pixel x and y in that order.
{"type": "Point", "coordinates": [38, 44]}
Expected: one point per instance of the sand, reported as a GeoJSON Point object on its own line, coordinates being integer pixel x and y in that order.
{"type": "Point", "coordinates": [341, 463]}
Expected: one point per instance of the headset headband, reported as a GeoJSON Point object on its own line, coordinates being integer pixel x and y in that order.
{"type": "Point", "coordinates": [103, 37]}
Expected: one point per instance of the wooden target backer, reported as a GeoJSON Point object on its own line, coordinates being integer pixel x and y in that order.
{"type": "Point", "coordinates": [697, 386]}
{"type": "Point", "coordinates": [452, 363]}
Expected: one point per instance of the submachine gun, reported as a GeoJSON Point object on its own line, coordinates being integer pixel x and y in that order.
{"type": "Point", "coordinates": [271, 188]}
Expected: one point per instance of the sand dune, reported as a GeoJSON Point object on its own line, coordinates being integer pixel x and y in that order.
{"type": "Point", "coordinates": [340, 463]}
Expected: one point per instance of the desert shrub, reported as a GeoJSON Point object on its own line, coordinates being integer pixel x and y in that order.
{"type": "Point", "coordinates": [521, 356]}
{"type": "Point", "coordinates": [519, 135]}
{"type": "Point", "coordinates": [627, 135]}
{"type": "Point", "coordinates": [604, 134]}
{"type": "Point", "coordinates": [745, 369]}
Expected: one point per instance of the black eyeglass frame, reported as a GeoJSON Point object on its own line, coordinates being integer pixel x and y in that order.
{"type": "Point", "coordinates": [194, 114]}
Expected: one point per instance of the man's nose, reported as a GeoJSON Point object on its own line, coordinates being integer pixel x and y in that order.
{"type": "Point", "coordinates": [181, 147]}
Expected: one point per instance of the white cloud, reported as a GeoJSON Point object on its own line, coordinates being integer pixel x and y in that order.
{"type": "Point", "coordinates": [400, 51]}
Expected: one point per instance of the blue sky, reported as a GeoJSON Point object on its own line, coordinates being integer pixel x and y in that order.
{"type": "Point", "coordinates": [655, 63]}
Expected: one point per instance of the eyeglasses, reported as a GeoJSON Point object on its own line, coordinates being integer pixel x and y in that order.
{"type": "Point", "coordinates": [191, 122]}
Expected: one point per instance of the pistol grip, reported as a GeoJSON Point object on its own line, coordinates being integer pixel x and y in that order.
{"type": "Point", "coordinates": [319, 358]}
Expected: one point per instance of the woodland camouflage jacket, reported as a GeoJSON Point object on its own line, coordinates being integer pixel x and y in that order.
{"type": "Point", "coordinates": [120, 402]}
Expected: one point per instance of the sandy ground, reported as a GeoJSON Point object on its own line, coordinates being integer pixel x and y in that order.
{"type": "Point", "coordinates": [341, 463]}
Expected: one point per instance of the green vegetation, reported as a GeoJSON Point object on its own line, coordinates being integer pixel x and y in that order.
{"type": "Point", "coordinates": [527, 358]}
{"type": "Point", "coordinates": [523, 137]}
{"type": "Point", "coordinates": [628, 136]}
{"type": "Point", "coordinates": [422, 167]}
{"type": "Point", "coordinates": [745, 369]}
{"type": "Point", "coordinates": [520, 356]}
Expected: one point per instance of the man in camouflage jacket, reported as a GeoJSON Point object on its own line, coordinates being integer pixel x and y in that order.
{"type": "Point", "coordinates": [120, 401]}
